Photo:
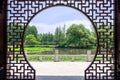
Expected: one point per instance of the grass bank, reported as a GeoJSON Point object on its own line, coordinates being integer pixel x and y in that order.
{"type": "Point", "coordinates": [51, 58]}
{"type": "Point", "coordinates": [37, 50]}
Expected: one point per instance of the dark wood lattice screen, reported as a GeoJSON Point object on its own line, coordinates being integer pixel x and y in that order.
{"type": "Point", "coordinates": [101, 14]}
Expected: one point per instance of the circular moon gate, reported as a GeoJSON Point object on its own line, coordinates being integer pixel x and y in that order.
{"type": "Point", "coordinates": [99, 12]}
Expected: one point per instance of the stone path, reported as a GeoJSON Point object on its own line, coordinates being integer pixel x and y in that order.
{"type": "Point", "coordinates": [60, 70]}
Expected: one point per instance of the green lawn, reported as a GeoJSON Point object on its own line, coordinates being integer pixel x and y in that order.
{"type": "Point", "coordinates": [51, 58]}
{"type": "Point", "coordinates": [37, 50]}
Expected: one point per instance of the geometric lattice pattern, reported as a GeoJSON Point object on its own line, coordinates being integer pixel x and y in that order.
{"type": "Point", "coordinates": [99, 12]}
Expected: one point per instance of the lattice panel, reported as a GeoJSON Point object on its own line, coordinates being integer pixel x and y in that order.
{"type": "Point", "coordinates": [100, 12]}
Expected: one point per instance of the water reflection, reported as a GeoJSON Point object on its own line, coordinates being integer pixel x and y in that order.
{"type": "Point", "coordinates": [70, 51]}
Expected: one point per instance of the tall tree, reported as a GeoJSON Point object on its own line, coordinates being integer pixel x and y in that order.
{"type": "Point", "coordinates": [59, 36]}
{"type": "Point", "coordinates": [47, 38]}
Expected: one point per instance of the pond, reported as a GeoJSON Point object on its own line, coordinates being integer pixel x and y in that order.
{"type": "Point", "coordinates": [70, 51]}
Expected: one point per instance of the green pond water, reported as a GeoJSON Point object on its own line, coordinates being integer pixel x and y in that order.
{"type": "Point", "coordinates": [70, 51]}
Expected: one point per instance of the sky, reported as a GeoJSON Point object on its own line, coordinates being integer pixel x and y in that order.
{"type": "Point", "coordinates": [48, 19]}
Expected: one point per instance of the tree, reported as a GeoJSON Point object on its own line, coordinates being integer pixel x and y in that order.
{"type": "Point", "coordinates": [50, 38]}
{"type": "Point", "coordinates": [59, 37]}
{"type": "Point", "coordinates": [73, 35]}
{"type": "Point", "coordinates": [79, 36]}
{"type": "Point", "coordinates": [39, 37]}
{"type": "Point", "coordinates": [47, 38]}
{"type": "Point", "coordinates": [31, 30]}
{"type": "Point", "coordinates": [31, 40]}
